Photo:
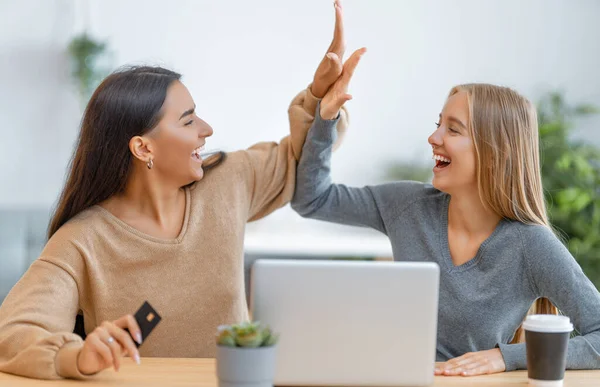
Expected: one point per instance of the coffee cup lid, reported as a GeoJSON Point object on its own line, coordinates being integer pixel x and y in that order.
{"type": "Point", "coordinates": [547, 323]}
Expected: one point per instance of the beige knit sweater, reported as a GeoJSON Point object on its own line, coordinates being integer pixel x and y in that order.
{"type": "Point", "coordinates": [104, 268]}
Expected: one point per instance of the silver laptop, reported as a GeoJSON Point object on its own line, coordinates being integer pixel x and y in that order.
{"type": "Point", "coordinates": [349, 323]}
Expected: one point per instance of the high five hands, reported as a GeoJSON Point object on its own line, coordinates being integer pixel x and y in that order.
{"type": "Point", "coordinates": [332, 77]}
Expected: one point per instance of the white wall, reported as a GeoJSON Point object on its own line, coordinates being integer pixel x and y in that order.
{"type": "Point", "coordinates": [244, 60]}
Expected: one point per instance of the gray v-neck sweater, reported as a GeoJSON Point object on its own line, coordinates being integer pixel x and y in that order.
{"type": "Point", "coordinates": [482, 302]}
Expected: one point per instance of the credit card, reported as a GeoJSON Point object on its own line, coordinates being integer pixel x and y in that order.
{"type": "Point", "coordinates": [147, 319]}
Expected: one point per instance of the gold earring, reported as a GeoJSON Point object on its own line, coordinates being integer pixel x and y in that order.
{"type": "Point", "coordinates": [150, 164]}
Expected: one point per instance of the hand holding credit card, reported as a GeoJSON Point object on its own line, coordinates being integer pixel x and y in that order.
{"type": "Point", "coordinates": [109, 341]}
{"type": "Point", "coordinates": [147, 319]}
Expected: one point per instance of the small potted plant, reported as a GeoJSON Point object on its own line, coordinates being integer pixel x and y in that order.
{"type": "Point", "coordinates": [246, 355]}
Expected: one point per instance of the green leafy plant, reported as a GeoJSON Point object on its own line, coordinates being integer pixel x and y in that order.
{"type": "Point", "coordinates": [409, 170]}
{"type": "Point", "coordinates": [85, 53]}
{"type": "Point", "coordinates": [247, 334]}
{"type": "Point", "coordinates": [571, 179]}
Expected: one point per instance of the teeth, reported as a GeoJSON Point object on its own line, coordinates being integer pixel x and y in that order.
{"type": "Point", "coordinates": [198, 150]}
{"type": "Point", "coordinates": [441, 158]}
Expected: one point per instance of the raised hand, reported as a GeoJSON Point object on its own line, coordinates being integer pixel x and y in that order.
{"type": "Point", "coordinates": [337, 95]}
{"type": "Point", "coordinates": [330, 67]}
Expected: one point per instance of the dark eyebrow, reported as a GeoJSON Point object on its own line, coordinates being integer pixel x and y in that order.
{"type": "Point", "coordinates": [188, 112]}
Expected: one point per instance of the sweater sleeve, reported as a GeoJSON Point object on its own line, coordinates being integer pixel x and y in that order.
{"type": "Point", "coordinates": [317, 197]}
{"type": "Point", "coordinates": [273, 165]}
{"type": "Point", "coordinates": [36, 324]}
{"type": "Point", "coordinates": [555, 274]}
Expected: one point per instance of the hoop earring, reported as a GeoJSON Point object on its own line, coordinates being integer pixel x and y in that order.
{"type": "Point", "coordinates": [150, 164]}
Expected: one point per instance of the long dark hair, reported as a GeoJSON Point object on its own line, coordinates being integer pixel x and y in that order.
{"type": "Point", "coordinates": [126, 104]}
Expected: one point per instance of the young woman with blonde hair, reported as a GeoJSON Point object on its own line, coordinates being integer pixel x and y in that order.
{"type": "Point", "coordinates": [483, 220]}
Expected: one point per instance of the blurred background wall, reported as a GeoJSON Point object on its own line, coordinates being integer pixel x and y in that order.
{"type": "Point", "coordinates": [243, 61]}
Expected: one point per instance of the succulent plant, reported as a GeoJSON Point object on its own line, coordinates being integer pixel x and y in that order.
{"type": "Point", "coordinates": [250, 334]}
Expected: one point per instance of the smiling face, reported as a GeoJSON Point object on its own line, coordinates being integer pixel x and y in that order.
{"type": "Point", "coordinates": [179, 137]}
{"type": "Point", "coordinates": [453, 148]}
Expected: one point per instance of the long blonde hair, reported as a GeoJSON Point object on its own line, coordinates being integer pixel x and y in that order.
{"type": "Point", "coordinates": [504, 128]}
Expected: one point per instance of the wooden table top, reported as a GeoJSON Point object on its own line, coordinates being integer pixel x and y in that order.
{"type": "Point", "coordinates": [201, 373]}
